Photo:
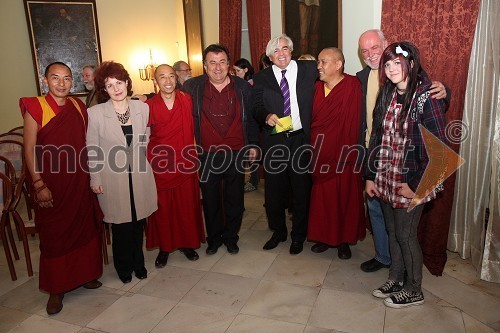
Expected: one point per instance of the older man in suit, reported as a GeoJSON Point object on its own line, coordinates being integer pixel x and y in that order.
{"type": "Point", "coordinates": [286, 89]}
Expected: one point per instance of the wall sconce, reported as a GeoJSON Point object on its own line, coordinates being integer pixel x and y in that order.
{"type": "Point", "coordinates": [148, 72]}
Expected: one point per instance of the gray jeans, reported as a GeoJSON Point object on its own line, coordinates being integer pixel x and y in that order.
{"type": "Point", "coordinates": [402, 227]}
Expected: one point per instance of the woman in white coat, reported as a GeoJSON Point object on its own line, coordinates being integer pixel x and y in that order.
{"type": "Point", "coordinates": [119, 172]}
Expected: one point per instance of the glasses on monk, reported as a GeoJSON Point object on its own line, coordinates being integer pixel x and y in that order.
{"type": "Point", "coordinates": [184, 70]}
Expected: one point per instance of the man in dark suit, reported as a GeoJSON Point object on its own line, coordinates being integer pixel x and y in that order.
{"type": "Point", "coordinates": [286, 89]}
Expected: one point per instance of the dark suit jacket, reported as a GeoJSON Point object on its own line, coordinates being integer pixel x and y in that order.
{"type": "Point", "coordinates": [363, 78]}
{"type": "Point", "coordinates": [269, 100]}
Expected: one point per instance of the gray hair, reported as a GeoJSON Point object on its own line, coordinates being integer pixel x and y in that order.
{"type": "Point", "coordinates": [92, 67]}
{"type": "Point", "coordinates": [273, 44]}
{"type": "Point", "coordinates": [378, 32]}
{"type": "Point", "coordinates": [177, 65]}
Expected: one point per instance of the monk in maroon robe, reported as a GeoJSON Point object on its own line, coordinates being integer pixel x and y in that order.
{"type": "Point", "coordinates": [336, 214]}
{"type": "Point", "coordinates": [67, 215]}
{"type": "Point", "coordinates": [178, 223]}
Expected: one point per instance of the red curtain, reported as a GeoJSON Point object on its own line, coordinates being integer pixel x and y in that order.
{"type": "Point", "coordinates": [259, 28]}
{"type": "Point", "coordinates": [443, 30]}
{"type": "Point", "coordinates": [230, 27]}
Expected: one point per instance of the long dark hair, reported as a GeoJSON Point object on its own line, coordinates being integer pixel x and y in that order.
{"type": "Point", "coordinates": [409, 56]}
{"type": "Point", "coordinates": [245, 64]}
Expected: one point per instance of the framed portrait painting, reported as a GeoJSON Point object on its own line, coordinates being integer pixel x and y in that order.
{"type": "Point", "coordinates": [312, 24]}
{"type": "Point", "coordinates": [64, 31]}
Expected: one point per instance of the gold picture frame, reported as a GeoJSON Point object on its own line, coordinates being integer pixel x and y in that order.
{"type": "Point", "coordinates": [65, 31]}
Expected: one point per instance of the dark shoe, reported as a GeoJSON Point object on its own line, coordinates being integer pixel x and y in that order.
{"type": "Point", "coordinates": [190, 254]}
{"type": "Point", "coordinates": [94, 284]}
{"type": "Point", "coordinates": [54, 304]}
{"type": "Point", "coordinates": [319, 247]}
{"type": "Point", "coordinates": [372, 265]}
{"type": "Point", "coordinates": [404, 299]}
{"type": "Point", "coordinates": [232, 247]}
{"type": "Point", "coordinates": [273, 242]}
{"type": "Point", "coordinates": [125, 278]}
{"type": "Point", "coordinates": [389, 288]}
{"type": "Point", "coordinates": [212, 248]}
{"type": "Point", "coordinates": [141, 274]}
{"type": "Point", "coordinates": [344, 252]}
{"type": "Point", "coordinates": [161, 259]}
{"type": "Point", "coordinates": [296, 247]}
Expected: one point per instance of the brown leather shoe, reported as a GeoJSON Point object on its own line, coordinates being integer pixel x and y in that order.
{"type": "Point", "coordinates": [55, 305]}
{"type": "Point", "coordinates": [94, 284]}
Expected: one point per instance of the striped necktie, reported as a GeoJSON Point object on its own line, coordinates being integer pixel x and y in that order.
{"type": "Point", "coordinates": [285, 90]}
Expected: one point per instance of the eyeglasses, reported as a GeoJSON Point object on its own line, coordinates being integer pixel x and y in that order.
{"type": "Point", "coordinates": [184, 70]}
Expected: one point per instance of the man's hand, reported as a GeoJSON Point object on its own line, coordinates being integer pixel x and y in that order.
{"type": "Point", "coordinates": [273, 120]}
{"type": "Point", "coordinates": [252, 155]}
{"type": "Point", "coordinates": [97, 189]}
{"type": "Point", "coordinates": [438, 91]}
{"type": "Point", "coordinates": [370, 189]}
{"type": "Point", "coordinates": [44, 197]}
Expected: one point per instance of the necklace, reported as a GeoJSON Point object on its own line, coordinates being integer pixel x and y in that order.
{"type": "Point", "coordinates": [123, 118]}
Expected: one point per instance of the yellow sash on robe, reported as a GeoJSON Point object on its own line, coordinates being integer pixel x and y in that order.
{"type": "Point", "coordinates": [48, 113]}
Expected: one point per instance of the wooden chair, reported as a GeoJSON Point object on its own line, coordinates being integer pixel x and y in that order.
{"type": "Point", "coordinates": [11, 146]}
{"type": "Point", "coordinates": [19, 129]}
{"type": "Point", "coordinates": [12, 136]}
{"type": "Point", "coordinates": [11, 196]}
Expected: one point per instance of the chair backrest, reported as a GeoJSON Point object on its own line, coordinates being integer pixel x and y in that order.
{"type": "Point", "coordinates": [6, 192]}
{"type": "Point", "coordinates": [7, 168]}
{"type": "Point", "coordinates": [19, 129]}
{"type": "Point", "coordinates": [12, 136]}
{"type": "Point", "coordinates": [14, 151]}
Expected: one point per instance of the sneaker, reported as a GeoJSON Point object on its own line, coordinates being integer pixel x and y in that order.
{"type": "Point", "coordinates": [249, 187]}
{"type": "Point", "coordinates": [389, 288]}
{"type": "Point", "coordinates": [404, 299]}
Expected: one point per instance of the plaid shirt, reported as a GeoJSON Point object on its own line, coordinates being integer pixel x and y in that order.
{"type": "Point", "coordinates": [391, 158]}
{"type": "Point", "coordinates": [425, 111]}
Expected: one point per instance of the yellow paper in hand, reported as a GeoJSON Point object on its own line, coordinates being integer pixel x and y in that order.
{"type": "Point", "coordinates": [287, 125]}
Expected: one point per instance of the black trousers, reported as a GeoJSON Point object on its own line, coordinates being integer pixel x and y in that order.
{"type": "Point", "coordinates": [222, 181]}
{"type": "Point", "coordinates": [127, 246]}
{"type": "Point", "coordinates": [287, 174]}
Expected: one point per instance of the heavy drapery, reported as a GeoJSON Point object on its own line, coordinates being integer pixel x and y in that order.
{"type": "Point", "coordinates": [477, 184]}
{"type": "Point", "coordinates": [230, 27]}
{"type": "Point", "coordinates": [443, 30]}
{"type": "Point", "coordinates": [259, 28]}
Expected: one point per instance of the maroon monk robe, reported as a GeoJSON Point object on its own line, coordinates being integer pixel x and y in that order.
{"type": "Point", "coordinates": [70, 251]}
{"type": "Point", "coordinates": [336, 214]}
{"type": "Point", "coordinates": [178, 221]}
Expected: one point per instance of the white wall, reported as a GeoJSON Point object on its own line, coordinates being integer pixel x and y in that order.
{"type": "Point", "coordinates": [128, 29]}
{"type": "Point", "coordinates": [18, 74]}
{"type": "Point", "coordinates": [357, 17]}
{"type": "Point", "coordinates": [210, 21]}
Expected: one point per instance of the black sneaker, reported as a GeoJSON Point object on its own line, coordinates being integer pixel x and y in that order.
{"type": "Point", "coordinates": [389, 288]}
{"type": "Point", "coordinates": [404, 299]}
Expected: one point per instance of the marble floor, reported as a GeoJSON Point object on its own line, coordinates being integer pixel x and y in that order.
{"type": "Point", "coordinates": [253, 291]}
